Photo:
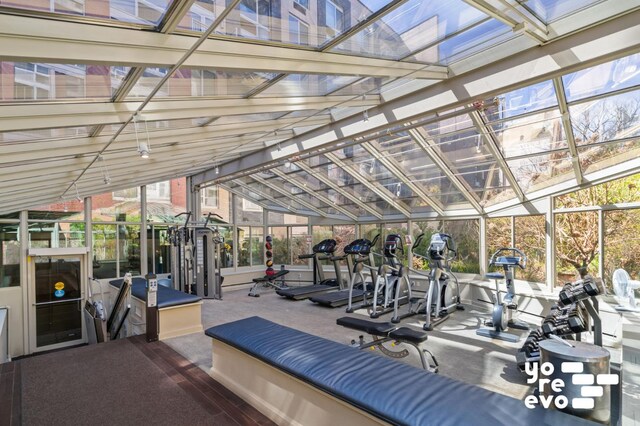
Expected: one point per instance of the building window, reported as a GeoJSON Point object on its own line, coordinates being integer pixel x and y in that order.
{"type": "Point", "coordinates": [159, 191]}
{"type": "Point", "coordinates": [203, 83]}
{"type": "Point", "coordinates": [201, 23]}
{"type": "Point", "coordinates": [68, 6]}
{"type": "Point", "coordinates": [248, 206]}
{"type": "Point", "coordinates": [303, 3]}
{"type": "Point", "coordinates": [210, 197]}
{"type": "Point", "coordinates": [255, 17]}
{"type": "Point", "coordinates": [298, 31]}
{"type": "Point", "coordinates": [32, 81]}
{"type": "Point", "coordinates": [335, 16]}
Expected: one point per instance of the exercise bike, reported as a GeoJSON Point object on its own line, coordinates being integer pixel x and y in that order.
{"type": "Point", "coordinates": [502, 317]}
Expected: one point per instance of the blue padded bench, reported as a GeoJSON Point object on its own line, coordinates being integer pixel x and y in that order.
{"type": "Point", "coordinates": [178, 313]}
{"type": "Point", "coordinates": [166, 296]}
{"type": "Point", "coordinates": [388, 390]}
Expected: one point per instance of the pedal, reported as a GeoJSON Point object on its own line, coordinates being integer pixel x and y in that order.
{"type": "Point", "coordinates": [488, 323]}
{"type": "Point", "coordinates": [513, 306]}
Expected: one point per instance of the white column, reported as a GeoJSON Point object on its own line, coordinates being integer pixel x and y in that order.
{"type": "Point", "coordinates": [88, 235]}
{"type": "Point", "coordinates": [144, 269]}
{"type": "Point", "coordinates": [550, 245]}
{"type": "Point", "coordinates": [482, 254]}
{"type": "Point", "coordinates": [24, 280]}
{"type": "Point", "coordinates": [601, 242]}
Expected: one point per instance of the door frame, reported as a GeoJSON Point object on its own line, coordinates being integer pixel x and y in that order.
{"type": "Point", "coordinates": [57, 253]}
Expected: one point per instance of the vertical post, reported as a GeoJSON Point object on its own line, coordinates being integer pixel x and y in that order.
{"type": "Point", "coordinates": [513, 231]}
{"type": "Point", "coordinates": [550, 245]}
{"type": "Point", "coordinates": [88, 235]}
{"type": "Point", "coordinates": [24, 279]}
{"type": "Point", "coordinates": [601, 248]}
{"type": "Point", "coordinates": [409, 248]}
{"type": "Point", "coordinates": [482, 253]}
{"type": "Point", "coordinates": [144, 269]}
{"type": "Point", "coordinates": [188, 198]}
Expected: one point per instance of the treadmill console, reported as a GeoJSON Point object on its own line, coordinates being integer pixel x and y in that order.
{"type": "Point", "coordinates": [361, 246]}
{"type": "Point", "coordinates": [325, 246]}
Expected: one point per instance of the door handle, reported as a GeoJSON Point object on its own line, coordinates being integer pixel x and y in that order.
{"type": "Point", "coordinates": [57, 301]}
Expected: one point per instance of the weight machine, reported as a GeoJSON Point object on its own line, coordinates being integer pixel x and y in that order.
{"type": "Point", "coordinates": [195, 258]}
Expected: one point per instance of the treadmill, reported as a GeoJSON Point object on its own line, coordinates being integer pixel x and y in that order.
{"type": "Point", "coordinates": [361, 259]}
{"type": "Point", "coordinates": [322, 251]}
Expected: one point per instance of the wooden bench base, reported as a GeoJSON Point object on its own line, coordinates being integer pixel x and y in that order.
{"type": "Point", "coordinates": [280, 396]}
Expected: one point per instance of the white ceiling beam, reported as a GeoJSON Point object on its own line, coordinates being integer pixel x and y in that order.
{"type": "Point", "coordinates": [390, 164]}
{"type": "Point", "coordinates": [492, 143]}
{"type": "Point", "coordinates": [26, 39]}
{"type": "Point", "coordinates": [373, 186]}
{"type": "Point", "coordinates": [288, 195]}
{"type": "Point", "coordinates": [327, 181]}
{"type": "Point", "coordinates": [302, 186]}
{"type": "Point", "coordinates": [228, 135]}
{"type": "Point", "coordinates": [14, 117]}
{"type": "Point", "coordinates": [568, 128]}
{"type": "Point", "coordinates": [607, 41]}
{"type": "Point", "coordinates": [512, 16]}
{"type": "Point", "coordinates": [429, 147]}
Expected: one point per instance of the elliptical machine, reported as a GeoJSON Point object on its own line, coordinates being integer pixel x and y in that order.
{"type": "Point", "coordinates": [502, 317]}
{"type": "Point", "coordinates": [392, 284]}
{"type": "Point", "coordinates": [443, 295]}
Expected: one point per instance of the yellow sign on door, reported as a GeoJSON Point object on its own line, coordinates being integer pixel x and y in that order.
{"type": "Point", "coordinates": [59, 285]}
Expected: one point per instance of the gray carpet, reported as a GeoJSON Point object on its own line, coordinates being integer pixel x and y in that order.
{"type": "Point", "coordinates": [107, 384]}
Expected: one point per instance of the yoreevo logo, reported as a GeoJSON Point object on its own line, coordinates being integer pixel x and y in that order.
{"type": "Point", "coordinates": [591, 385]}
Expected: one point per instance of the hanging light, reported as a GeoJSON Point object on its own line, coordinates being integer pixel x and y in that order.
{"type": "Point", "coordinates": [478, 150]}
{"type": "Point", "coordinates": [105, 172]}
{"type": "Point", "coordinates": [287, 164]}
{"type": "Point", "coordinates": [398, 188]}
{"type": "Point", "coordinates": [365, 116]}
{"type": "Point", "coordinates": [144, 148]}
{"type": "Point", "coordinates": [78, 197]}
{"type": "Point", "coordinates": [217, 170]}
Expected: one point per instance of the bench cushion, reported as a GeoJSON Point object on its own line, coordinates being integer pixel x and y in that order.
{"type": "Point", "coordinates": [409, 334]}
{"type": "Point", "coordinates": [369, 327]}
{"type": "Point", "coordinates": [167, 297]}
{"type": "Point", "coordinates": [390, 390]}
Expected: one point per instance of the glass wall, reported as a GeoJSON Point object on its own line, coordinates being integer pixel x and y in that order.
{"type": "Point", "coordinates": [56, 234]}
{"type": "Point", "coordinates": [466, 234]}
{"type": "Point", "coordinates": [9, 255]}
{"type": "Point", "coordinates": [158, 249]}
{"type": "Point", "coordinates": [300, 244]}
{"type": "Point", "coordinates": [498, 234]}
{"type": "Point", "coordinates": [250, 246]}
{"type": "Point", "coordinates": [530, 233]}
{"type": "Point", "coordinates": [281, 250]}
{"type": "Point", "coordinates": [577, 245]}
{"type": "Point", "coordinates": [621, 243]}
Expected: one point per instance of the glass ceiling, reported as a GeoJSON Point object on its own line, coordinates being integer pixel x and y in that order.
{"type": "Point", "coordinates": [260, 80]}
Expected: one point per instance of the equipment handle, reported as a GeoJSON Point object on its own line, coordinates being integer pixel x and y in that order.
{"type": "Point", "coordinates": [375, 240]}
{"type": "Point", "coordinates": [418, 240]}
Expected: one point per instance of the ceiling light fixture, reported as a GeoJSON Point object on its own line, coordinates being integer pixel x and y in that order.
{"type": "Point", "coordinates": [478, 150]}
{"type": "Point", "coordinates": [78, 197]}
{"type": "Point", "coordinates": [217, 170]}
{"type": "Point", "coordinates": [365, 116]}
{"type": "Point", "coordinates": [399, 187]}
{"type": "Point", "coordinates": [105, 172]}
{"type": "Point", "coordinates": [287, 164]}
{"type": "Point", "coordinates": [144, 148]}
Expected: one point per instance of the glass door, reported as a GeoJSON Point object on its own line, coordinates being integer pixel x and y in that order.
{"type": "Point", "coordinates": [57, 283]}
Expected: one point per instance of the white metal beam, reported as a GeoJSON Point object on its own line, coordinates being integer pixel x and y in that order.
{"type": "Point", "coordinates": [492, 143]}
{"type": "Point", "coordinates": [374, 187]}
{"type": "Point", "coordinates": [320, 197]}
{"type": "Point", "coordinates": [610, 40]}
{"type": "Point", "coordinates": [16, 117]}
{"type": "Point", "coordinates": [318, 175]}
{"type": "Point", "coordinates": [26, 39]}
{"type": "Point", "coordinates": [568, 128]}
{"type": "Point", "coordinates": [390, 164]}
{"type": "Point", "coordinates": [422, 139]}
{"type": "Point", "coordinates": [288, 195]}
{"type": "Point", "coordinates": [514, 17]}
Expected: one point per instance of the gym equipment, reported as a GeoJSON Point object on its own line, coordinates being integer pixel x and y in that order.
{"type": "Point", "coordinates": [624, 288]}
{"type": "Point", "coordinates": [443, 294]}
{"type": "Point", "coordinates": [121, 308]}
{"type": "Point", "coordinates": [383, 332]}
{"type": "Point", "coordinates": [567, 319]}
{"type": "Point", "coordinates": [195, 258]}
{"type": "Point", "coordinates": [322, 251]}
{"type": "Point", "coordinates": [392, 286]}
{"type": "Point", "coordinates": [502, 317]}
{"type": "Point", "coordinates": [274, 280]}
{"type": "Point", "coordinates": [359, 257]}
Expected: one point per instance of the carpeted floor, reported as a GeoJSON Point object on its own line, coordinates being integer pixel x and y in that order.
{"type": "Point", "coordinates": [125, 382]}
